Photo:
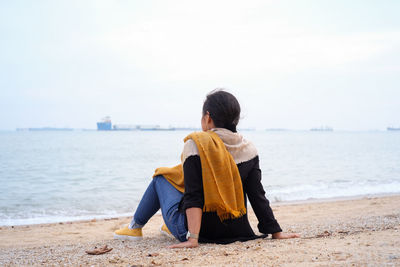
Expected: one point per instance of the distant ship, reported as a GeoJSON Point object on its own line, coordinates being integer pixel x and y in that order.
{"type": "Point", "coordinates": [322, 129]}
{"type": "Point", "coordinates": [150, 127]}
{"type": "Point", "coordinates": [393, 129]}
{"type": "Point", "coordinates": [104, 124]}
{"type": "Point", "coordinates": [276, 129]}
{"type": "Point", "coordinates": [125, 127]}
{"type": "Point", "coordinates": [44, 129]}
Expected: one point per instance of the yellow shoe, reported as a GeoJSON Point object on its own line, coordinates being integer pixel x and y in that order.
{"type": "Point", "coordinates": [165, 231]}
{"type": "Point", "coordinates": [128, 234]}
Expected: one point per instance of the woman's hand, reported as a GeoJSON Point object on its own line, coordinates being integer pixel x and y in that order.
{"type": "Point", "coordinates": [193, 216]}
{"type": "Point", "coordinates": [282, 235]}
{"type": "Point", "coordinates": [191, 243]}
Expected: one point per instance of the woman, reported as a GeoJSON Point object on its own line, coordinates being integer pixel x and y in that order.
{"type": "Point", "coordinates": [204, 198]}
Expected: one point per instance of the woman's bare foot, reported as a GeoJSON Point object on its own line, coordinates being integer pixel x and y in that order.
{"type": "Point", "coordinates": [282, 235]}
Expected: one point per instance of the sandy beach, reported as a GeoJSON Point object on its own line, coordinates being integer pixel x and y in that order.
{"type": "Point", "coordinates": [360, 232]}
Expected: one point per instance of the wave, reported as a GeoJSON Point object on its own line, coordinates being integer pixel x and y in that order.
{"type": "Point", "coordinates": [57, 218]}
{"type": "Point", "coordinates": [337, 189]}
{"type": "Point", "coordinates": [278, 193]}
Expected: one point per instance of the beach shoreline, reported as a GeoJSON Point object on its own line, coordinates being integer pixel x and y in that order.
{"type": "Point", "coordinates": [362, 232]}
{"type": "Point", "coordinates": [272, 203]}
{"type": "Point", "coordinates": [333, 199]}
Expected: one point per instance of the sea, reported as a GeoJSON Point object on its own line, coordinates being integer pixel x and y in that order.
{"type": "Point", "coordinates": [58, 176]}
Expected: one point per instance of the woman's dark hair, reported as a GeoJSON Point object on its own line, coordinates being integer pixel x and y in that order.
{"type": "Point", "coordinates": [224, 109]}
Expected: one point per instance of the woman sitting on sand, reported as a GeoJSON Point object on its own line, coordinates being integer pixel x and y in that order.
{"type": "Point", "coordinates": [204, 198]}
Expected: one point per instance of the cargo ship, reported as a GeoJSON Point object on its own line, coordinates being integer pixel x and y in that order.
{"type": "Point", "coordinates": [44, 129]}
{"type": "Point", "coordinates": [104, 124]}
{"type": "Point", "coordinates": [125, 127]}
{"type": "Point", "coordinates": [322, 129]}
{"type": "Point", "coordinates": [393, 129]}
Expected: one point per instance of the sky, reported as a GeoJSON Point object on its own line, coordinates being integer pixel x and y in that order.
{"type": "Point", "coordinates": [291, 64]}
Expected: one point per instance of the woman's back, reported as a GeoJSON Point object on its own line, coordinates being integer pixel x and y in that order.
{"type": "Point", "coordinates": [246, 158]}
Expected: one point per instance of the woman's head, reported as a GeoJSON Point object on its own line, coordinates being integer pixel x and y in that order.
{"type": "Point", "coordinates": [222, 108]}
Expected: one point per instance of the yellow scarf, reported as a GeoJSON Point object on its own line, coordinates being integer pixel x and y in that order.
{"type": "Point", "coordinates": [222, 185]}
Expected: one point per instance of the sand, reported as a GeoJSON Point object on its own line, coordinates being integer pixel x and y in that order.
{"type": "Point", "coordinates": [361, 232]}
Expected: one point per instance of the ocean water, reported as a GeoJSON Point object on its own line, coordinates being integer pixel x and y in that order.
{"type": "Point", "coordinates": [65, 176]}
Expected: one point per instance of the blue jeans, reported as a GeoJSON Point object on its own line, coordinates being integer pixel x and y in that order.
{"type": "Point", "coordinates": [161, 194]}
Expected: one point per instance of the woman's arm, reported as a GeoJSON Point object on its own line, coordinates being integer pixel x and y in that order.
{"type": "Point", "coordinates": [253, 187]}
{"type": "Point", "coordinates": [194, 222]}
{"type": "Point", "coordinates": [260, 204]}
{"type": "Point", "coordinates": [193, 199]}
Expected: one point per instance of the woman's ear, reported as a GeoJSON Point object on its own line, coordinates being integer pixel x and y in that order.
{"type": "Point", "coordinates": [210, 122]}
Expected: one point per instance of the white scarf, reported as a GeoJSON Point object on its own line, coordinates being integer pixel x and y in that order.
{"type": "Point", "coordinates": [241, 149]}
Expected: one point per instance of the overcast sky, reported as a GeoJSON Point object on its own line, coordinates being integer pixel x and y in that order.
{"type": "Point", "coordinates": [292, 64]}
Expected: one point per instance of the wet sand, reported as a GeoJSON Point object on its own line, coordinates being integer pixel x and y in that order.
{"type": "Point", "coordinates": [362, 232]}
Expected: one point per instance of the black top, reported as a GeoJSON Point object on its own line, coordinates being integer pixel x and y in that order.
{"type": "Point", "coordinates": [212, 229]}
